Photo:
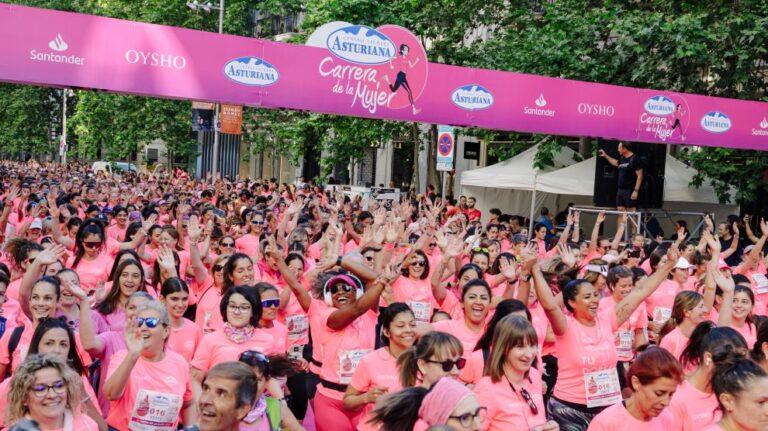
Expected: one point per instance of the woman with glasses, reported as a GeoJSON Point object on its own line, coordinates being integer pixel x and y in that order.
{"type": "Point", "coordinates": [345, 330]}
{"type": "Point", "coordinates": [653, 378]}
{"type": "Point", "coordinates": [588, 380]}
{"type": "Point", "coordinates": [90, 261]}
{"type": "Point", "coordinates": [207, 315]}
{"type": "Point", "coordinates": [377, 373]}
{"type": "Point", "coordinates": [46, 390]}
{"type": "Point", "coordinates": [270, 410]}
{"type": "Point", "coordinates": [512, 389]}
{"type": "Point", "coordinates": [248, 244]}
{"type": "Point", "coordinates": [226, 245]}
{"type": "Point", "coordinates": [447, 402]}
{"type": "Point", "coordinates": [270, 304]}
{"type": "Point", "coordinates": [148, 384]}
{"type": "Point", "coordinates": [413, 286]}
{"type": "Point", "coordinates": [241, 311]}
{"type": "Point", "coordinates": [22, 252]}
{"type": "Point", "coordinates": [185, 335]}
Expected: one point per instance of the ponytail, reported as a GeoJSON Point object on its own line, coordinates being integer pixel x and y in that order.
{"type": "Point", "coordinates": [762, 337]}
{"type": "Point", "coordinates": [734, 377]}
{"type": "Point", "coordinates": [399, 411]}
{"type": "Point", "coordinates": [431, 344]}
{"type": "Point", "coordinates": [684, 301]}
{"type": "Point", "coordinates": [723, 343]}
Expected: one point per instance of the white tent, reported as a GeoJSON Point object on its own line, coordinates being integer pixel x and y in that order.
{"type": "Point", "coordinates": [509, 185]}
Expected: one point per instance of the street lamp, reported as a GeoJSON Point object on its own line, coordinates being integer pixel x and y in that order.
{"type": "Point", "coordinates": [206, 7]}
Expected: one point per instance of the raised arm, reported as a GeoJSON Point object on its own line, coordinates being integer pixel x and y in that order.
{"type": "Point", "coordinates": [34, 272]}
{"type": "Point", "coordinates": [619, 231]}
{"type": "Point", "coordinates": [595, 233]}
{"type": "Point", "coordinates": [347, 314]}
{"type": "Point", "coordinates": [645, 288]}
{"type": "Point", "coordinates": [88, 337]}
{"type": "Point", "coordinates": [547, 299]}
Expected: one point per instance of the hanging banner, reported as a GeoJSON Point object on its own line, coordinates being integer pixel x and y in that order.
{"type": "Point", "coordinates": [446, 148]}
{"type": "Point", "coordinates": [202, 116]}
{"type": "Point", "coordinates": [354, 70]}
{"type": "Point", "coordinates": [231, 119]}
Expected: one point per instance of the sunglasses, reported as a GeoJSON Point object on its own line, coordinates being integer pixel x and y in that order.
{"type": "Point", "coordinates": [227, 244]}
{"type": "Point", "coordinates": [59, 388]}
{"type": "Point", "coordinates": [151, 322]}
{"type": "Point", "coordinates": [217, 268]}
{"type": "Point", "coordinates": [448, 364]}
{"type": "Point", "coordinates": [480, 250]}
{"type": "Point", "coordinates": [420, 263]}
{"type": "Point", "coordinates": [336, 287]}
{"type": "Point", "coordinates": [92, 244]}
{"type": "Point", "coordinates": [467, 419]}
{"type": "Point", "coordinates": [432, 244]}
{"type": "Point", "coordinates": [257, 223]}
{"type": "Point", "coordinates": [267, 303]}
{"type": "Point", "coordinates": [527, 397]}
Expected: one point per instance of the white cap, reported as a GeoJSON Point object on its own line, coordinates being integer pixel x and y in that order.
{"type": "Point", "coordinates": [36, 224]}
{"type": "Point", "coordinates": [682, 263]}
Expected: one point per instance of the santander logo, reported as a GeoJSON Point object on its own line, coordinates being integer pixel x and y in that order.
{"type": "Point", "coordinates": [472, 97]}
{"type": "Point", "coordinates": [58, 44]}
{"type": "Point", "coordinates": [361, 44]}
{"type": "Point", "coordinates": [762, 130]}
{"type": "Point", "coordinates": [541, 101]}
{"type": "Point", "coordinates": [539, 110]}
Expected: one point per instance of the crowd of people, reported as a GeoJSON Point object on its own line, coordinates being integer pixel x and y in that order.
{"type": "Point", "coordinates": [158, 302]}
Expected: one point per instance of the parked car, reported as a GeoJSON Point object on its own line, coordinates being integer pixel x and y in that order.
{"type": "Point", "coordinates": [111, 167]}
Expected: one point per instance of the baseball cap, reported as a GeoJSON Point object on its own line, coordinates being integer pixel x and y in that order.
{"type": "Point", "coordinates": [36, 224]}
{"type": "Point", "coordinates": [682, 263]}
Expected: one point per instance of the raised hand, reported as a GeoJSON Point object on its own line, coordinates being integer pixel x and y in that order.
{"type": "Point", "coordinates": [530, 255]}
{"type": "Point", "coordinates": [51, 255]}
{"type": "Point", "coordinates": [166, 261]}
{"type": "Point", "coordinates": [725, 283]}
{"type": "Point", "coordinates": [601, 217]}
{"type": "Point", "coordinates": [194, 230]}
{"type": "Point", "coordinates": [508, 268]}
{"type": "Point", "coordinates": [149, 222]}
{"type": "Point", "coordinates": [566, 254]}
{"type": "Point", "coordinates": [134, 342]}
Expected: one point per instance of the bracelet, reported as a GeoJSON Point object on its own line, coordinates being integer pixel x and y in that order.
{"type": "Point", "coordinates": [338, 260]}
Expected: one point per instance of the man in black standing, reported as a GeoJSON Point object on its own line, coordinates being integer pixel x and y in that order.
{"type": "Point", "coordinates": [630, 176]}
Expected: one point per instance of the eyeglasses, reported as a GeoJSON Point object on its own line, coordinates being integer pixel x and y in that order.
{"type": "Point", "coordinates": [467, 419]}
{"type": "Point", "coordinates": [92, 244]}
{"type": "Point", "coordinates": [420, 263]}
{"type": "Point", "coordinates": [245, 308]}
{"type": "Point", "coordinates": [257, 222]}
{"type": "Point", "coordinates": [267, 303]}
{"type": "Point", "coordinates": [448, 364]}
{"type": "Point", "coordinates": [217, 268]}
{"type": "Point", "coordinates": [59, 387]}
{"type": "Point", "coordinates": [151, 322]}
{"type": "Point", "coordinates": [480, 250]}
{"type": "Point", "coordinates": [335, 288]}
{"type": "Point", "coordinates": [432, 244]}
{"type": "Point", "coordinates": [227, 244]}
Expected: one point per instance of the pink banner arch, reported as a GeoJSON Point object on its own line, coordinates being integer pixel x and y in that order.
{"type": "Point", "coordinates": [355, 74]}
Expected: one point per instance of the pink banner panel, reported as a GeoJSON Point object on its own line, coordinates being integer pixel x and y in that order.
{"type": "Point", "coordinates": [358, 71]}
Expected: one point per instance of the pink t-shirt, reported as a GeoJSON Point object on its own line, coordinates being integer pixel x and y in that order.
{"type": "Point", "coordinates": [659, 304]}
{"type": "Point", "coordinates": [582, 352]}
{"type": "Point", "coordinates": [317, 328]}
{"type": "Point", "coordinates": [279, 332]}
{"type": "Point", "coordinates": [296, 322]}
{"type": "Point", "coordinates": [617, 418]}
{"type": "Point", "coordinates": [249, 245]}
{"type": "Point", "coordinates": [23, 347]}
{"type": "Point", "coordinates": [152, 394]}
{"type": "Point", "coordinates": [748, 332]}
{"type": "Point", "coordinates": [507, 409]}
{"type": "Point", "coordinates": [674, 342]}
{"type": "Point", "coordinates": [116, 233]}
{"type": "Point", "coordinates": [692, 409]}
{"type": "Point", "coordinates": [208, 314]}
{"type": "Point", "coordinates": [92, 272]}
{"type": "Point", "coordinates": [417, 294]}
{"type": "Point", "coordinates": [185, 339]}
{"type": "Point", "coordinates": [460, 330]}
{"type": "Point", "coordinates": [624, 336]}
{"type": "Point", "coordinates": [216, 348]}
{"type": "Point", "coordinates": [473, 370]}
{"type": "Point", "coordinates": [12, 313]}
{"type": "Point", "coordinates": [377, 368]}
{"type": "Point", "coordinates": [114, 321]}
{"type": "Point", "coordinates": [12, 291]}
{"type": "Point", "coordinates": [343, 349]}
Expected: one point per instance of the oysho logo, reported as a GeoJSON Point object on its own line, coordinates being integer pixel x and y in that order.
{"type": "Point", "coordinates": [596, 109]}
{"type": "Point", "coordinates": [251, 71]}
{"type": "Point", "coordinates": [659, 105]}
{"type": "Point", "coordinates": [716, 122]}
{"type": "Point", "coordinates": [472, 97]}
{"type": "Point", "coordinates": [155, 59]}
{"type": "Point", "coordinates": [58, 45]}
{"type": "Point", "coordinates": [361, 44]}
{"type": "Point", "coordinates": [540, 103]}
{"type": "Point", "coordinates": [762, 130]}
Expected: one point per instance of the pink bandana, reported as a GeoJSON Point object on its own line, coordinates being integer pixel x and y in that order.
{"type": "Point", "coordinates": [440, 401]}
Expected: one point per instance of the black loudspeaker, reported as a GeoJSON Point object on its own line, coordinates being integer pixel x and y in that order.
{"type": "Point", "coordinates": [653, 157]}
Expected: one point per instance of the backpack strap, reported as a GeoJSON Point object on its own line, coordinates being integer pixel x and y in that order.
{"type": "Point", "coordinates": [273, 413]}
{"type": "Point", "coordinates": [13, 343]}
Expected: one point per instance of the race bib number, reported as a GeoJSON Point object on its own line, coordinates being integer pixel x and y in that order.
{"type": "Point", "coordinates": [207, 323]}
{"type": "Point", "coordinates": [155, 411]}
{"type": "Point", "coordinates": [298, 327]}
{"type": "Point", "coordinates": [624, 342]}
{"type": "Point", "coordinates": [661, 314]}
{"type": "Point", "coordinates": [348, 361]}
{"type": "Point", "coordinates": [602, 388]}
{"type": "Point", "coordinates": [422, 311]}
{"type": "Point", "coordinates": [761, 283]}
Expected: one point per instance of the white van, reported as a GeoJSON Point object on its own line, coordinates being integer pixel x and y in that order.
{"type": "Point", "coordinates": [109, 167]}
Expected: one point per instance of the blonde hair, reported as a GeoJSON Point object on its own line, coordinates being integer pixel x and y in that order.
{"type": "Point", "coordinates": [24, 378]}
{"type": "Point", "coordinates": [511, 331]}
{"type": "Point", "coordinates": [685, 300]}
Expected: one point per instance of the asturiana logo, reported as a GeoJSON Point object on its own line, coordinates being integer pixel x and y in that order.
{"type": "Point", "coordinates": [58, 45]}
{"type": "Point", "coordinates": [472, 97]}
{"type": "Point", "coordinates": [762, 130]}
{"type": "Point", "coordinates": [660, 105]}
{"type": "Point", "coordinates": [251, 71]}
{"type": "Point", "coordinates": [361, 44]}
{"type": "Point", "coordinates": [716, 122]}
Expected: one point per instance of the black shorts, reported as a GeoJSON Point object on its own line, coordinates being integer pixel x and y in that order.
{"type": "Point", "coordinates": [624, 199]}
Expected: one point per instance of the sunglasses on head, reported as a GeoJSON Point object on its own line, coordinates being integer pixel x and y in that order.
{"type": "Point", "coordinates": [448, 365]}
{"type": "Point", "coordinates": [91, 244]}
{"type": "Point", "coordinates": [255, 359]}
{"type": "Point", "coordinates": [336, 287]}
{"type": "Point", "coordinates": [480, 250]}
{"type": "Point", "coordinates": [151, 322]}
{"type": "Point", "coordinates": [267, 303]}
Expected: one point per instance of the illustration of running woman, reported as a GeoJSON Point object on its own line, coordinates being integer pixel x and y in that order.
{"type": "Point", "coordinates": [403, 63]}
{"type": "Point", "coordinates": [678, 117]}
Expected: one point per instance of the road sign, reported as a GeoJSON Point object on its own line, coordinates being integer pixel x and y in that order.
{"type": "Point", "coordinates": [446, 148]}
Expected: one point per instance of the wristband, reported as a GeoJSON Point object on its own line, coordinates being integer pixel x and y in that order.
{"type": "Point", "coordinates": [338, 260]}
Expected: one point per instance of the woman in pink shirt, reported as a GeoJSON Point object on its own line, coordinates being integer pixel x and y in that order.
{"type": "Point", "coordinates": [22, 252]}
{"type": "Point", "coordinates": [117, 230]}
{"type": "Point", "coordinates": [476, 304]}
{"type": "Point", "coordinates": [249, 244]}
{"type": "Point", "coordinates": [129, 278]}
{"type": "Point", "coordinates": [512, 390]}
{"type": "Point", "coordinates": [239, 271]}
{"type": "Point", "coordinates": [185, 335]}
{"type": "Point", "coordinates": [741, 388]}
{"type": "Point", "coordinates": [659, 304]}
{"type": "Point", "coordinates": [588, 381]}
{"type": "Point", "coordinates": [412, 286]}
{"type": "Point", "coordinates": [689, 310]}
{"type": "Point", "coordinates": [270, 303]}
{"type": "Point", "coordinates": [742, 319]}
{"type": "Point", "coordinates": [90, 261]}
{"type": "Point", "coordinates": [434, 356]}
{"type": "Point", "coordinates": [377, 373]}
{"type": "Point", "coordinates": [653, 379]}
{"type": "Point", "coordinates": [694, 406]}
{"type": "Point", "coordinates": [44, 389]}
{"type": "Point", "coordinates": [207, 315]}
{"type": "Point", "coordinates": [149, 385]}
